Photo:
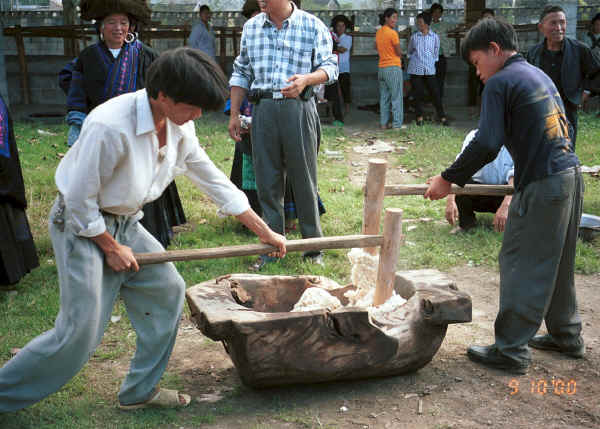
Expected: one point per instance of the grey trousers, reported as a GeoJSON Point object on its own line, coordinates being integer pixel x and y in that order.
{"type": "Point", "coordinates": [537, 262]}
{"type": "Point", "coordinates": [284, 147]}
{"type": "Point", "coordinates": [88, 290]}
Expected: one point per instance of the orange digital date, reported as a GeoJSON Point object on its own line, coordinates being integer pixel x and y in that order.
{"type": "Point", "coordinates": [540, 386]}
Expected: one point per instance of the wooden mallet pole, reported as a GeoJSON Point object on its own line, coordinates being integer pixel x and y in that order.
{"type": "Point", "coordinates": [388, 256]}
{"type": "Point", "coordinates": [492, 190]}
{"type": "Point", "coordinates": [304, 245]}
{"type": "Point", "coordinates": [373, 203]}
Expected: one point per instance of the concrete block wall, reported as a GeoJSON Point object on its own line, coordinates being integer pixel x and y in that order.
{"type": "Point", "coordinates": [43, 79]}
{"type": "Point", "coordinates": [456, 87]}
{"type": "Point", "coordinates": [45, 55]}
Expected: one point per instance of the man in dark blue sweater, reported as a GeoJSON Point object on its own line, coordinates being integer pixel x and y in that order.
{"type": "Point", "coordinates": [523, 110]}
{"type": "Point", "coordinates": [569, 63]}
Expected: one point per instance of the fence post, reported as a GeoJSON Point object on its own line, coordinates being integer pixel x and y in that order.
{"type": "Point", "coordinates": [23, 65]}
{"type": "Point", "coordinates": [222, 47]}
{"type": "Point", "coordinates": [69, 19]}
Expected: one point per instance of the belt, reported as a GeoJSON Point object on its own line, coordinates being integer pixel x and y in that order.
{"type": "Point", "coordinates": [255, 95]}
{"type": "Point", "coordinates": [269, 94]}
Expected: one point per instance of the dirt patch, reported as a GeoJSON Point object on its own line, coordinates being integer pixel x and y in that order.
{"type": "Point", "coordinates": [359, 162]}
{"type": "Point", "coordinates": [449, 392]}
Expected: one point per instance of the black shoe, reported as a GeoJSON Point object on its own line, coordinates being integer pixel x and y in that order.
{"type": "Point", "coordinates": [260, 263]}
{"type": "Point", "coordinates": [546, 342]}
{"type": "Point", "coordinates": [419, 122]}
{"type": "Point", "coordinates": [491, 357]}
{"type": "Point", "coordinates": [445, 122]}
{"type": "Point", "coordinates": [315, 258]}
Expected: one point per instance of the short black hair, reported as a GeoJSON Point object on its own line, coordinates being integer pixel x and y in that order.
{"type": "Point", "coordinates": [386, 14]}
{"type": "Point", "coordinates": [436, 6]}
{"type": "Point", "coordinates": [488, 10]}
{"type": "Point", "coordinates": [486, 31]}
{"type": "Point", "coordinates": [426, 17]}
{"type": "Point", "coordinates": [550, 9]}
{"type": "Point", "coordinates": [188, 76]}
{"type": "Point", "coordinates": [204, 7]}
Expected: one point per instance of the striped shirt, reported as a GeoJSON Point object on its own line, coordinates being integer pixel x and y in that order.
{"type": "Point", "coordinates": [423, 50]}
{"type": "Point", "coordinates": [270, 56]}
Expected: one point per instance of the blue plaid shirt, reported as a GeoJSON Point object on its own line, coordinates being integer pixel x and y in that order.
{"type": "Point", "coordinates": [423, 50]}
{"type": "Point", "coordinates": [269, 57]}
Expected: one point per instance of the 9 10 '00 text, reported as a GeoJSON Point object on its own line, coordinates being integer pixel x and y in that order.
{"type": "Point", "coordinates": [541, 386]}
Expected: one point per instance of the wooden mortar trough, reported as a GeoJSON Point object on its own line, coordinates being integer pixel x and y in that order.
{"type": "Point", "coordinates": [272, 346]}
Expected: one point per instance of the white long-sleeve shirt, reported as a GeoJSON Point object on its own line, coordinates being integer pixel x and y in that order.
{"type": "Point", "coordinates": [497, 172]}
{"type": "Point", "coordinates": [117, 167]}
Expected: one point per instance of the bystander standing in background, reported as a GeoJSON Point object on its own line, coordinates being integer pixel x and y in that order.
{"type": "Point", "coordinates": [202, 36]}
{"type": "Point", "coordinates": [441, 28]}
{"type": "Point", "coordinates": [17, 250]}
{"type": "Point", "coordinates": [340, 25]}
{"type": "Point", "coordinates": [387, 43]}
{"type": "Point", "coordinates": [423, 51]}
{"type": "Point", "coordinates": [568, 62]}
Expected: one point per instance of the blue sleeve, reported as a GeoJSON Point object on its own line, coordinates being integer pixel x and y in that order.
{"type": "Point", "coordinates": [76, 97]}
{"type": "Point", "coordinates": [65, 76]}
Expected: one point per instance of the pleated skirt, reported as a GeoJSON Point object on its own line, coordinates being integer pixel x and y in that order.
{"type": "Point", "coordinates": [18, 255]}
{"type": "Point", "coordinates": [161, 215]}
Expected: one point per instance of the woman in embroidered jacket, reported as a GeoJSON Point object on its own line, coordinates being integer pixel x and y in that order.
{"type": "Point", "coordinates": [117, 65]}
{"type": "Point", "coordinates": [17, 250]}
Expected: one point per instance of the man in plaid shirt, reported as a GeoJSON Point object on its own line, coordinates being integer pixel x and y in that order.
{"type": "Point", "coordinates": [284, 52]}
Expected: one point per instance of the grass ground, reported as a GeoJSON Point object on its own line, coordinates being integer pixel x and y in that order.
{"type": "Point", "coordinates": [88, 400]}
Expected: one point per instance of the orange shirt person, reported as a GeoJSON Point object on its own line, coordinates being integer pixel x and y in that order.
{"type": "Point", "coordinates": [390, 79]}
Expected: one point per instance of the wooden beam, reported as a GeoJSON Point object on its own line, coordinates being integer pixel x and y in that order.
{"type": "Point", "coordinates": [222, 49]}
{"type": "Point", "coordinates": [491, 190]}
{"type": "Point", "coordinates": [388, 256]}
{"type": "Point", "coordinates": [373, 201]}
{"type": "Point", "coordinates": [304, 245]}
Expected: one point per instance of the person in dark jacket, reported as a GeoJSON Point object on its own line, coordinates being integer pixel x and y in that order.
{"type": "Point", "coordinates": [17, 250]}
{"type": "Point", "coordinates": [568, 62]}
{"type": "Point", "coordinates": [116, 65]}
{"type": "Point", "coordinates": [522, 109]}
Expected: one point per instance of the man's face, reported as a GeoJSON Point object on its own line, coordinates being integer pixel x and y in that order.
{"type": "Point", "coordinates": [205, 16]}
{"type": "Point", "coordinates": [553, 27]}
{"type": "Point", "coordinates": [436, 14]}
{"type": "Point", "coordinates": [596, 27]}
{"type": "Point", "coordinates": [273, 6]}
{"type": "Point", "coordinates": [486, 62]}
{"type": "Point", "coordinates": [421, 25]}
{"type": "Point", "coordinates": [178, 113]}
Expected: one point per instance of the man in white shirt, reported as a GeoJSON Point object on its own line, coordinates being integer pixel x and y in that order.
{"type": "Point", "coordinates": [129, 150]}
{"type": "Point", "coordinates": [462, 208]}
